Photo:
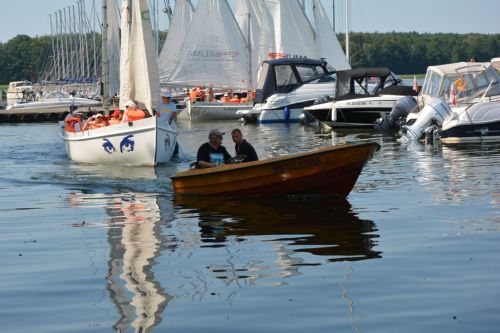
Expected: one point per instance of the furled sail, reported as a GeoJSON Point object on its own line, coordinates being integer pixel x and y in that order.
{"type": "Point", "coordinates": [140, 78]}
{"type": "Point", "coordinates": [327, 44]}
{"type": "Point", "coordinates": [177, 31]}
{"type": "Point", "coordinates": [125, 84]}
{"type": "Point", "coordinates": [257, 26]}
{"type": "Point", "coordinates": [214, 50]}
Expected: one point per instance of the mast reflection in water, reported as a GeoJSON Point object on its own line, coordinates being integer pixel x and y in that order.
{"type": "Point", "coordinates": [135, 241]}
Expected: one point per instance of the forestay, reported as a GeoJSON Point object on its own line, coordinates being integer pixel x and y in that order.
{"type": "Point", "coordinates": [113, 44]}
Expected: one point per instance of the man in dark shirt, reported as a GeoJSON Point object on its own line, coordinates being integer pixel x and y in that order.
{"type": "Point", "coordinates": [242, 147]}
{"type": "Point", "coordinates": [212, 153]}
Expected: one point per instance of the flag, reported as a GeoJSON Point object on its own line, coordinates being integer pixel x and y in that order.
{"type": "Point", "coordinates": [415, 84]}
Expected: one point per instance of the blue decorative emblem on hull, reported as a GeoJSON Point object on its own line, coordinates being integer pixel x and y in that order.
{"type": "Point", "coordinates": [108, 146]}
{"type": "Point", "coordinates": [127, 144]}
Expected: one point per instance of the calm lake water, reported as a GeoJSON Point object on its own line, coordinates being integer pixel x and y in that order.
{"type": "Point", "coordinates": [414, 248]}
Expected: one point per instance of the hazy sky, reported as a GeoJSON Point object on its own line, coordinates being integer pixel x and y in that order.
{"type": "Point", "coordinates": [31, 17]}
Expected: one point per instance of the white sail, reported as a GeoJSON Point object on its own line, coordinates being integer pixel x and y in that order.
{"type": "Point", "coordinates": [257, 26]}
{"type": "Point", "coordinates": [177, 31]}
{"type": "Point", "coordinates": [293, 32]}
{"type": "Point", "coordinates": [327, 44]}
{"type": "Point", "coordinates": [214, 50]}
{"type": "Point", "coordinates": [125, 79]}
{"type": "Point", "coordinates": [143, 82]}
{"type": "Point", "coordinates": [113, 44]}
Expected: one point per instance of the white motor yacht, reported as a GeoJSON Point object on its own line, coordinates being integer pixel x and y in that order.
{"type": "Point", "coordinates": [288, 85]}
{"type": "Point", "coordinates": [54, 102]}
{"type": "Point", "coordinates": [459, 102]}
{"type": "Point", "coordinates": [361, 97]}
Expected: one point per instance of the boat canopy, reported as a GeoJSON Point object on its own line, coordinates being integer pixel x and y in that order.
{"type": "Point", "coordinates": [287, 74]}
{"type": "Point", "coordinates": [360, 82]}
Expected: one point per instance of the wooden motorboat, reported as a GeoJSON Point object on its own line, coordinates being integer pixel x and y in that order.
{"type": "Point", "coordinates": [331, 170]}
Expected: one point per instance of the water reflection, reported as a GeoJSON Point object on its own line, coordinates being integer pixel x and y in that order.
{"type": "Point", "coordinates": [319, 226]}
{"type": "Point", "coordinates": [135, 241]}
{"type": "Point", "coordinates": [456, 173]}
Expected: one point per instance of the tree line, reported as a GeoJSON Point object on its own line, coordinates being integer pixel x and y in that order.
{"type": "Point", "coordinates": [28, 58]}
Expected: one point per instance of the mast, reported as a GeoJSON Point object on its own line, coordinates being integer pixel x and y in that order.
{"type": "Point", "coordinates": [249, 46]}
{"type": "Point", "coordinates": [55, 66]}
{"type": "Point", "coordinates": [347, 30]}
{"type": "Point", "coordinates": [104, 48]}
{"type": "Point", "coordinates": [333, 14]}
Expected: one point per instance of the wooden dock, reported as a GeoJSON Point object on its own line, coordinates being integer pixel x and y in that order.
{"type": "Point", "coordinates": [19, 116]}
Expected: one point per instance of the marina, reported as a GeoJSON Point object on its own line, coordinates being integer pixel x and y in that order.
{"type": "Point", "coordinates": [94, 248]}
{"type": "Point", "coordinates": [248, 167]}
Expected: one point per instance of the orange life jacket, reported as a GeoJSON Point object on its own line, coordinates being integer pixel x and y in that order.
{"type": "Point", "coordinates": [135, 115]}
{"type": "Point", "coordinates": [235, 99]}
{"type": "Point", "coordinates": [194, 94]}
{"type": "Point", "coordinates": [69, 125]}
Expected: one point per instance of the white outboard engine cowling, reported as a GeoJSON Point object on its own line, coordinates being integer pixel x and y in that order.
{"type": "Point", "coordinates": [434, 113]}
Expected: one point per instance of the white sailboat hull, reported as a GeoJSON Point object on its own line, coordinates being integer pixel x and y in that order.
{"type": "Point", "coordinates": [145, 142]}
{"type": "Point", "coordinates": [55, 104]}
{"type": "Point", "coordinates": [202, 111]}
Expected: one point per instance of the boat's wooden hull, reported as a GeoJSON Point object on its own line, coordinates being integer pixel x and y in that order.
{"type": "Point", "coordinates": [332, 171]}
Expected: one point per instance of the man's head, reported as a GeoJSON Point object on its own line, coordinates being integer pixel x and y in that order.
{"type": "Point", "coordinates": [236, 135]}
{"type": "Point", "coordinates": [215, 137]}
{"type": "Point", "coordinates": [77, 113]}
{"type": "Point", "coordinates": [166, 95]}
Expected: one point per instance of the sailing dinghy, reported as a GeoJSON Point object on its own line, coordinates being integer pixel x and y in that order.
{"type": "Point", "coordinates": [148, 141]}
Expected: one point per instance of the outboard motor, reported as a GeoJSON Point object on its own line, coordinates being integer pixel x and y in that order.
{"type": "Point", "coordinates": [401, 109]}
{"type": "Point", "coordinates": [434, 113]}
{"type": "Point", "coordinates": [305, 118]}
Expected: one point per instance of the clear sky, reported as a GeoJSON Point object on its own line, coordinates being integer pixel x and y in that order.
{"type": "Point", "coordinates": [31, 17]}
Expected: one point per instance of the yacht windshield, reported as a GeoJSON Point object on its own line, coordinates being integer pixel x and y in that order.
{"type": "Point", "coordinates": [468, 84]}
{"type": "Point", "coordinates": [310, 73]}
